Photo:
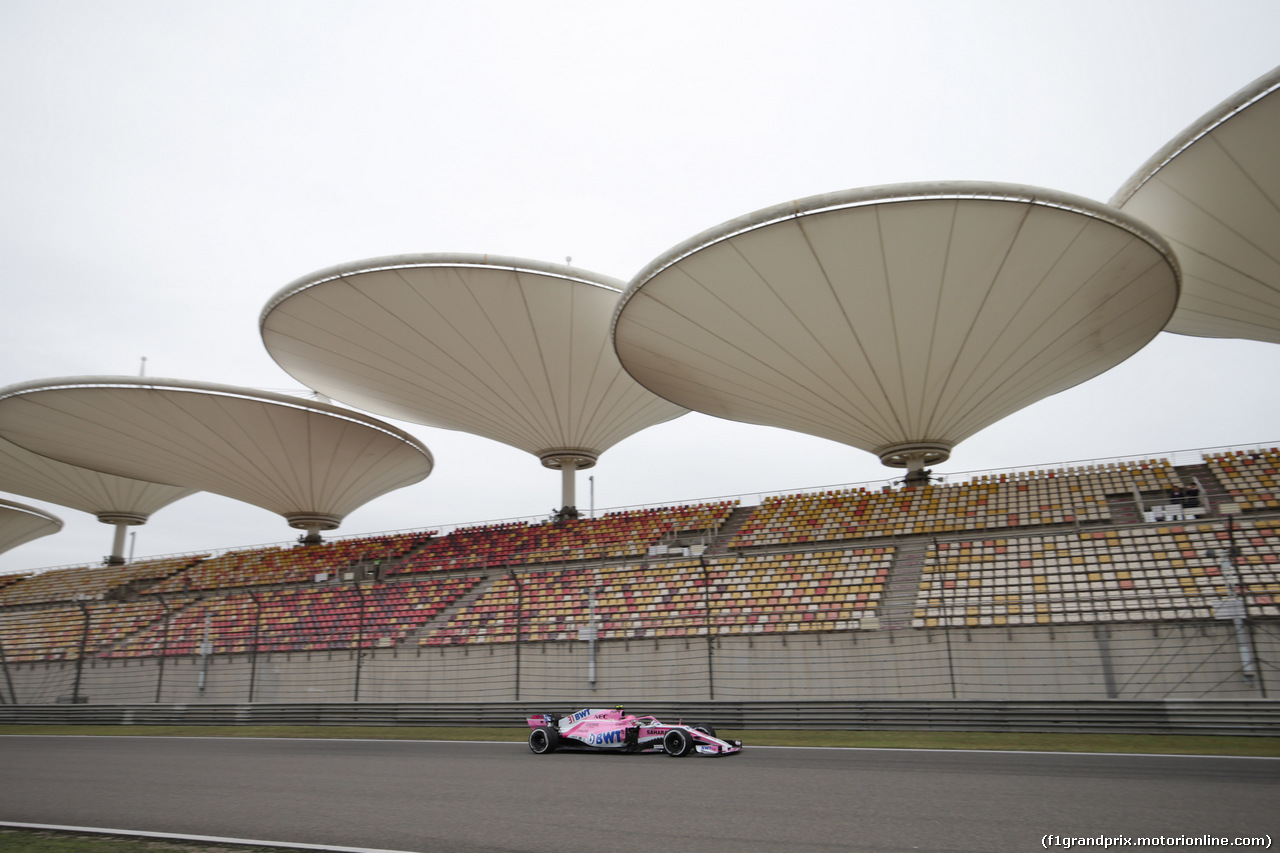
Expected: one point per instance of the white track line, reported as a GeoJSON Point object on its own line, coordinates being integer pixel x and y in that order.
{"type": "Point", "coordinates": [216, 839]}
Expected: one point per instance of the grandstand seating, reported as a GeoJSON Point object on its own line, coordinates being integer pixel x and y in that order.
{"type": "Point", "coordinates": [1134, 574]}
{"type": "Point", "coordinates": [315, 619]}
{"type": "Point", "coordinates": [1020, 549]}
{"type": "Point", "coordinates": [1070, 495]}
{"type": "Point", "coordinates": [554, 604]}
{"type": "Point", "coordinates": [829, 590]}
{"type": "Point", "coordinates": [812, 591]}
{"type": "Point", "coordinates": [9, 580]}
{"type": "Point", "coordinates": [286, 565]}
{"type": "Point", "coordinates": [54, 633]}
{"type": "Point", "coordinates": [1252, 478]}
{"type": "Point", "coordinates": [613, 536]}
{"type": "Point", "coordinates": [91, 582]}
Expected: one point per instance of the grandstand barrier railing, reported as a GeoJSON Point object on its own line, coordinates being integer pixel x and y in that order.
{"type": "Point", "coordinates": [1255, 718]}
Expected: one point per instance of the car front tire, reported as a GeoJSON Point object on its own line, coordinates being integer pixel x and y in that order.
{"type": "Point", "coordinates": [676, 743]}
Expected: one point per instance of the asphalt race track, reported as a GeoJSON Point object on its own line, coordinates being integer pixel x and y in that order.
{"type": "Point", "coordinates": [441, 797]}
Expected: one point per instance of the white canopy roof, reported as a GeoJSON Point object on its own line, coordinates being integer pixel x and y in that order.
{"type": "Point", "coordinates": [311, 462]}
{"type": "Point", "coordinates": [897, 319]}
{"type": "Point", "coordinates": [1214, 193]}
{"type": "Point", "coordinates": [514, 350]}
{"type": "Point", "coordinates": [20, 524]}
{"type": "Point", "coordinates": [112, 499]}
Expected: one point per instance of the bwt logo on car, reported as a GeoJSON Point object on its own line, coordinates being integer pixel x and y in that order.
{"type": "Point", "coordinates": [601, 738]}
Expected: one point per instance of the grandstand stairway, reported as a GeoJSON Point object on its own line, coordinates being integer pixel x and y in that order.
{"type": "Point", "coordinates": [1123, 510]}
{"type": "Point", "coordinates": [1212, 492]}
{"type": "Point", "coordinates": [383, 567]}
{"type": "Point", "coordinates": [729, 529]}
{"type": "Point", "coordinates": [899, 602]}
{"type": "Point", "coordinates": [124, 641]}
{"type": "Point", "coordinates": [459, 604]}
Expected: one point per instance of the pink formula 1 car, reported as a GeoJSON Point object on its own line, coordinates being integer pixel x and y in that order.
{"type": "Point", "coordinates": [595, 729]}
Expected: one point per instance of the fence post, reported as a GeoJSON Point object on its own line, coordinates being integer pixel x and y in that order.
{"type": "Point", "coordinates": [359, 641]}
{"type": "Point", "coordinates": [1236, 605]}
{"type": "Point", "coordinates": [253, 660]}
{"type": "Point", "coordinates": [706, 610]}
{"type": "Point", "coordinates": [1253, 642]}
{"type": "Point", "coordinates": [519, 621]}
{"type": "Point", "coordinates": [164, 648]}
{"type": "Point", "coordinates": [8, 679]}
{"type": "Point", "coordinates": [84, 644]}
{"type": "Point", "coordinates": [1103, 637]}
{"type": "Point", "coordinates": [951, 666]}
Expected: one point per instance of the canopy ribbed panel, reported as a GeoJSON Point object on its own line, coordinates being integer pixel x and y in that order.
{"type": "Point", "coordinates": [509, 349]}
{"type": "Point", "coordinates": [286, 455]}
{"type": "Point", "coordinates": [33, 476]}
{"type": "Point", "coordinates": [1214, 193]}
{"type": "Point", "coordinates": [895, 315]}
{"type": "Point", "coordinates": [20, 524]}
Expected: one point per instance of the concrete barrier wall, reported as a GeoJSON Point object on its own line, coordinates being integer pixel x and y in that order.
{"type": "Point", "coordinates": [1239, 717]}
{"type": "Point", "coordinates": [1132, 661]}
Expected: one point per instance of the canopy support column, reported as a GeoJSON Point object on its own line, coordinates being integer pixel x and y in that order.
{"type": "Point", "coordinates": [117, 546]}
{"type": "Point", "coordinates": [313, 523]}
{"type": "Point", "coordinates": [568, 485]}
{"type": "Point", "coordinates": [569, 462]}
{"type": "Point", "coordinates": [121, 521]}
{"type": "Point", "coordinates": [913, 456]}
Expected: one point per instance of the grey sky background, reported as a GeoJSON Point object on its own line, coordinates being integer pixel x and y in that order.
{"type": "Point", "coordinates": [168, 166]}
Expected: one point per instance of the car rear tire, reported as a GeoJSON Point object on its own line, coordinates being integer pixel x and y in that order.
{"type": "Point", "coordinates": [705, 728]}
{"type": "Point", "coordinates": [543, 739]}
{"type": "Point", "coordinates": [676, 743]}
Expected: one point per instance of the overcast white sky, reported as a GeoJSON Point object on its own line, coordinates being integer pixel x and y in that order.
{"type": "Point", "coordinates": [166, 167]}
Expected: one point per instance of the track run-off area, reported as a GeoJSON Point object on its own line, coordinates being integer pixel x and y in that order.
{"type": "Point", "coordinates": [497, 797]}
